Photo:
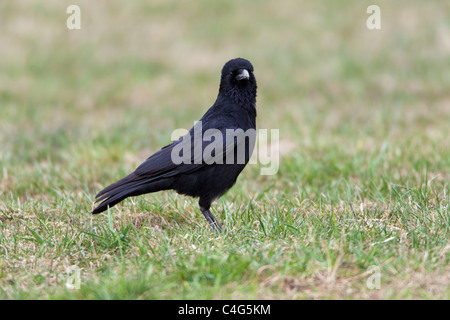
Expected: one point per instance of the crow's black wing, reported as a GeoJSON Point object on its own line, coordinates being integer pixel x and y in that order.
{"type": "Point", "coordinates": [189, 154]}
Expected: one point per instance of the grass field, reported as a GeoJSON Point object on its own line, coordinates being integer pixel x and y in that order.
{"type": "Point", "coordinates": [359, 208]}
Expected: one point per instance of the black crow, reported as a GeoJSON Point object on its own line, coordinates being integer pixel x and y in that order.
{"type": "Point", "coordinates": [206, 162]}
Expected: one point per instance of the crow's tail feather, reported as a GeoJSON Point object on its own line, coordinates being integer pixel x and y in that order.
{"type": "Point", "coordinates": [131, 185]}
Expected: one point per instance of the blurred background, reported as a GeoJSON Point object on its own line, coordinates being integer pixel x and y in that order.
{"type": "Point", "coordinates": [83, 107]}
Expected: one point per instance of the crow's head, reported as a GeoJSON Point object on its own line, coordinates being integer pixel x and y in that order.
{"type": "Point", "coordinates": [238, 80]}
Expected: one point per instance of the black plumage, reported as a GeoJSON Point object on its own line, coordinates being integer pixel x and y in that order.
{"type": "Point", "coordinates": [234, 109]}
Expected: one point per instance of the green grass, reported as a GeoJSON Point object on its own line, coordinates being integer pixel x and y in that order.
{"type": "Point", "coordinates": [365, 150]}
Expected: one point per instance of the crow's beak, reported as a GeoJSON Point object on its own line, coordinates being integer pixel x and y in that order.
{"type": "Point", "coordinates": [243, 74]}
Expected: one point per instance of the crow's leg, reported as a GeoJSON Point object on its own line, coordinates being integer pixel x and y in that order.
{"type": "Point", "coordinates": [213, 222]}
